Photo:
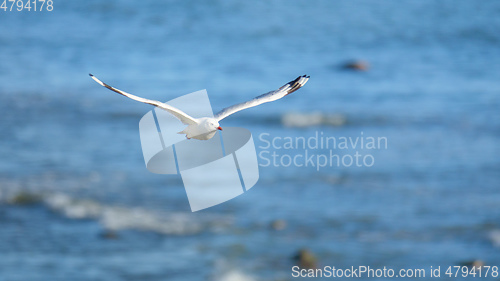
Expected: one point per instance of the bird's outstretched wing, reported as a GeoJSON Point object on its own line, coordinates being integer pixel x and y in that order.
{"type": "Point", "coordinates": [179, 114]}
{"type": "Point", "coordinates": [286, 89]}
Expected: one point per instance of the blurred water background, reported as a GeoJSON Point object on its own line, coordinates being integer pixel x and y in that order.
{"type": "Point", "coordinates": [77, 203]}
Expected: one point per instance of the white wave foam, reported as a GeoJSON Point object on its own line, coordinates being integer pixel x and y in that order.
{"type": "Point", "coordinates": [235, 275]}
{"type": "Point", "coordinates": [119, 218]}
{"type": "Point", "coordinates": [71, 208]}
{"type": "Point", "coordinates": [495, 237]}
{"type": "Point", "coordinates": [114, 217]}
{"type": "Point", "coordinates": [225, 270]}
{"type": "Point", "coordinates": [172, 223]}
{"type": "Point", "coordinates": [312, 119]}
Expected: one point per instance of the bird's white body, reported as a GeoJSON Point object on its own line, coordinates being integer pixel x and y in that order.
{"type": "Point", "coordinates": [205, 128]}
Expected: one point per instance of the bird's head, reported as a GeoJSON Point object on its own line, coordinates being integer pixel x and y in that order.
{"type": "Point", "coordinates": [213, 125]}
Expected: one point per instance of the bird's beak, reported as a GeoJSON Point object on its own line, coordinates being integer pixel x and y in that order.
{"type": "Point", "coordinates": [219, 128]}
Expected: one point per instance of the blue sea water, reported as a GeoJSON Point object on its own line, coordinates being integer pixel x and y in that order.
{"type": "Point", "coordinates": [432, 90]}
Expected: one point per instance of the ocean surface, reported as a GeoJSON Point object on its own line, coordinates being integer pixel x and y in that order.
{"type": "Point", "coordinates": [77, 202]}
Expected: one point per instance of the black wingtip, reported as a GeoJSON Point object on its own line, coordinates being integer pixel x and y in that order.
{"type": "Point", "coordinates": [294, 85]}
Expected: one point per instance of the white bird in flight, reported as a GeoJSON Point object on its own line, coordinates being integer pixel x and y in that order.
{"type": "Point", "coordinates": [205, 128]}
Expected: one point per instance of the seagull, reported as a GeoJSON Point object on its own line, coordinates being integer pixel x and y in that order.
{"type": "Point", "coordinates": [205, 128]}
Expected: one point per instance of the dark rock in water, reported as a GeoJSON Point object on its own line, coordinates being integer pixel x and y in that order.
{"type": "Point", "coordinates": [237, 250]}
{"type": "Point", "coordinates": [278, 224]}
{"type": "Point", "coordinates": [24, 198]}
{"type": "Point", "coordinates": [357, 65]}
{"type": "Point", "coordinates": [473, 263]}
{"type": "Point", "coordinates": [109, 234]}
{"type": "Point", "coordinates": [305, 259]}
